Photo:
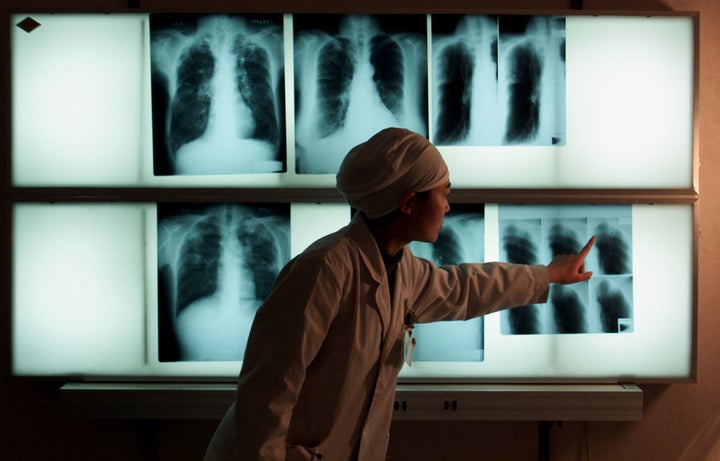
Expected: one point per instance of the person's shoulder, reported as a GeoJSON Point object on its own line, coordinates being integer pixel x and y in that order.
{"type": "Point", "coordinates": [333, 250]}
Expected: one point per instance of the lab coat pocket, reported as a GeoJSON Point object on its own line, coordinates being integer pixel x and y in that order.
{"type": "Point", "coordinates": [300, 453]}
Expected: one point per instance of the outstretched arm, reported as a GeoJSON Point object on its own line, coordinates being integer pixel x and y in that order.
{"type": "Point", "coordinates": [570, 268]}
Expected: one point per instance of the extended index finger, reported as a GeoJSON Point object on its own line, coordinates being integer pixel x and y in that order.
{"type": "Point", "coordinates": [586, 249]}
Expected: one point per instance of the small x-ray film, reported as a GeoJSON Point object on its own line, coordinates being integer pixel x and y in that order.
{"type": "Point", "coordinates": [460, 240]}
{"type": "Point", "coordinates": [604, 304]}
{"type": "Point", "coordinates": [216, 264]}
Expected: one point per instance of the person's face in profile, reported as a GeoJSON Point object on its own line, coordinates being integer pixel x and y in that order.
{"type": "Point", "coordinates": [428, 212]}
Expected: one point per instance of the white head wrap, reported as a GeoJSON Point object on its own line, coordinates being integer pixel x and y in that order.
{"type": "Point", "coordinates": [375, 175]}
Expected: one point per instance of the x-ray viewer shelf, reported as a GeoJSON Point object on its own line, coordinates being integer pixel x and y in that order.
{"type": "Point", "coordinates": [520, 402]}
{"type": "Point", "coordinates": [512, 402]}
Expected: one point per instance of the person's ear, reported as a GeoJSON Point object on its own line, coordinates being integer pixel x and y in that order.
{"type": "Point", "coordinates": [406, 203]}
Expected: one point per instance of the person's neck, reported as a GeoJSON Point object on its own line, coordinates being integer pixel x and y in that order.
{"type": "Point", "coordinates": [388, 234]}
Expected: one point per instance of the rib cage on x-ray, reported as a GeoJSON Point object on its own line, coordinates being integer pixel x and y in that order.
{"type": "Point", "coordinates": [460, 240]}
{"type": "Point", "coordinates": [218, 103]}
{"type": "Point", "coordinates": [336, 68]}
{"type": "Point", "coordinates": [498, 80]}
{"type": "Point", "coordinates": [216, 264]}
{"type": "Point", "coordinates": [354, 75]}
{"type": "Point", "coordinates": [602, 305]}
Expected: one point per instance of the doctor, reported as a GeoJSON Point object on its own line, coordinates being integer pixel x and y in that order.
{"type": "Point", "coordinates": [318, 378]}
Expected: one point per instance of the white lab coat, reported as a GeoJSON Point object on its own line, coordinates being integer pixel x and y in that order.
{"type": "Point", "coordinates": [318, 378]}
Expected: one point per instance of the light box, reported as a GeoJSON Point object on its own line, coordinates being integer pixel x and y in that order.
{"type": "Point", "coordinates": [85, 295]}
{"type": "Point", "coordinates": [624, 99]}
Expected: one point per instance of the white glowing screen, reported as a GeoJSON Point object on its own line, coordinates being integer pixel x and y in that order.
{"type": "Point", "coordinates": [85, 300]}
{"type": "Point", "coordinates": [81, 112]}
{"type": "Point", "coordinates": [78, 289]}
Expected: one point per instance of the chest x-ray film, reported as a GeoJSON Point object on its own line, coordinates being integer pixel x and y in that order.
{"type": "Point", "coordinates": [217, 94]}
{"type": "Point", "coordinates": [216, 264]}
{"type": "Point", "coordinates": [355, 75]}
{"type": "Point", "coordinates": [604, 304]}
{"type": "Point", "coordinates": [498, 80]}
{"type": "Point", "coordinates": [462, 239]}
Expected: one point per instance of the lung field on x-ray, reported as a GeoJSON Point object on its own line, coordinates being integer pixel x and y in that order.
{"type": "Point", "coordinates": [615, 308]}
{"type": "Point", "coordinates": [524, 77]}
{"type": "Point", "coordinates": [520, 248]}
{"type": "Point", "coordinates": [217, 93]}
{"type": "Point", "coordinates": [613, 251]}
{"type": "Point", "coordinates": [336, 67]}
{"type": "Point", "coordinates": [216, 264]}
{"type": "Point", "coordinates": [190, 109]}
{"type": "Point", "coordinates": [199, 261]}
{"type": "Point", "coordinates": [446, 249]}
{"type": "Point", "coordinates": [563, 240]}
{"type": "Point", "coordinates": [569, 310]}
{"type": "Point", "coordinates": [455, 93]}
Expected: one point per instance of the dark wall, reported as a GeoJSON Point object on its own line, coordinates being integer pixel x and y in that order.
{"type": "Point", "coordinates": [681, 421]}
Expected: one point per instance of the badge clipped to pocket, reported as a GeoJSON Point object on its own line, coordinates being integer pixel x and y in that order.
{"type": "Point", "coordinates": [409, 346]}
{"type": "Point", "coordinates": [409, 341]}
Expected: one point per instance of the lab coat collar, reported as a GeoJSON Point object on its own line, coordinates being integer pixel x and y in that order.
{"type": "Point", "coordinates": [372, 258]}
{"type": "Point", "coordinates": [369, 251]}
